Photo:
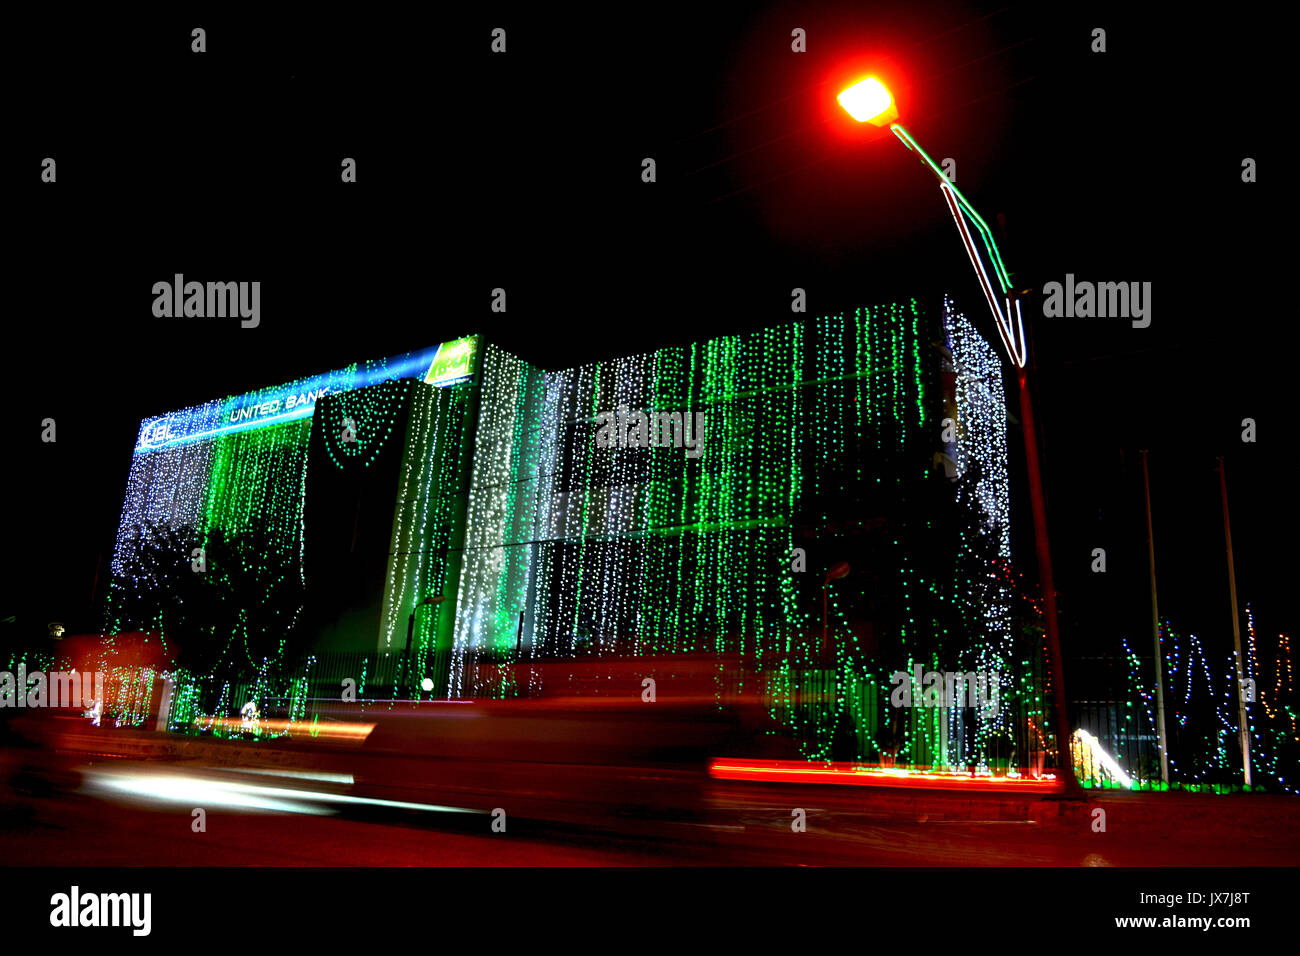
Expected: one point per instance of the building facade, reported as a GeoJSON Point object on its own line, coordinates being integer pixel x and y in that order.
{"type": "Point", "coordinates": [688, 501]}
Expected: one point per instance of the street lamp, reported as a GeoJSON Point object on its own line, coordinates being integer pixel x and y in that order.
{"type": "Point", "coordinates": [410, 630]}
{"type": "Point", "coordinates": [868, 101]}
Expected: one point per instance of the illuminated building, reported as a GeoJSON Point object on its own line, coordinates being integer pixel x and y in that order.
{"type": "Point", "coordinates": [876, 437]}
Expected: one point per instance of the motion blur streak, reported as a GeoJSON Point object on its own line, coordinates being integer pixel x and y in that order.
{"type": "Point", "coordinates": [201, 793]}
{"type": "Point", "coordinates": [198, 791]}
{"type": "Point", "coordinates": [345, 778]}
{"type": "Point", "coordinates": [338, 731]}
{"type": "Point", "coordinates": [856, 775]}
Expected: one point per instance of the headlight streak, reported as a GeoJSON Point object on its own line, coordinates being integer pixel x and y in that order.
{"type": "Point", "coordinates": [205, 792]}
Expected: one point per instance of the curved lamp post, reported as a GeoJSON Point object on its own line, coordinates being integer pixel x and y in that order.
{"type": "Point", "coordinates": [868, 101]}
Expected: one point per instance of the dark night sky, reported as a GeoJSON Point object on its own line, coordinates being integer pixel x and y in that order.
{"type": "Point", "coordinates": [522, 171]}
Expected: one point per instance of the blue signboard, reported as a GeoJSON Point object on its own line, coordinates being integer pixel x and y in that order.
{"type": "Point", "coordinates": [442, 365]}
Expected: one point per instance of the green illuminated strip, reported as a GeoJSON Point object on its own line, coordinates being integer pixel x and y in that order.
{"type": "Point", "coordinates": [1004, 279]}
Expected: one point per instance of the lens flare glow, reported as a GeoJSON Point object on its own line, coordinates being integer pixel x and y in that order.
{"type": "Point", "coordinates": [1095, 761]}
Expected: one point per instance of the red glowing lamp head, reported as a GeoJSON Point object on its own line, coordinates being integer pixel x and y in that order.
{"type": "Point", "coordinates": [867, 101]}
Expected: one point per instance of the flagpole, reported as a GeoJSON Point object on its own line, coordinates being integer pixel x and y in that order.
{"type": "Point", "coordinates": [1155, 628]}
{"type": "Point", "coordinates": [1242, 720]}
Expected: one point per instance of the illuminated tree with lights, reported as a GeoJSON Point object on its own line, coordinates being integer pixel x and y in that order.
{"type": "Point", "coordinates": [225, 622]}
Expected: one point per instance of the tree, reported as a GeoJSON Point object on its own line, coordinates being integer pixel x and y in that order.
{"type": "Point", "coordinates": [222, 611]}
